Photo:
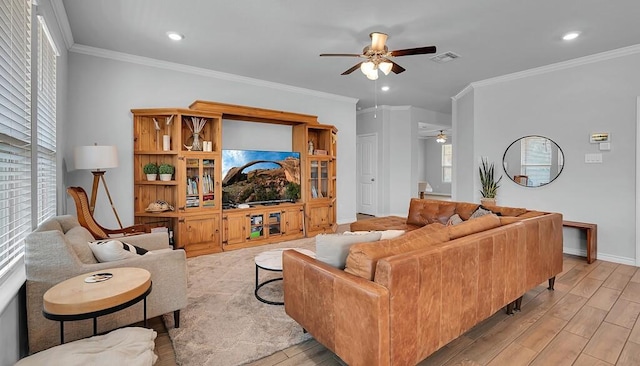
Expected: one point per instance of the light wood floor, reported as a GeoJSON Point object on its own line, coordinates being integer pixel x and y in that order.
{"type": "Point", "coordinates": [590, 319]}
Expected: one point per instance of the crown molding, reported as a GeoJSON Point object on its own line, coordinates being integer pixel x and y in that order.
{"type": "Point", "coordinates": [146, 61]}
{"type": "Point", "coordinates": [598, 57]}
{"type": "Point", "coordinates": [462, 92]}
{"type": "Point", "coordinates": [63, 22]}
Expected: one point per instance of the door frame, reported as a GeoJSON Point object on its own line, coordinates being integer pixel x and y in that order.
{"type": "Point", "coordinates": [638, 181]}
{"type": "Point", "coordinates": [359, 170]}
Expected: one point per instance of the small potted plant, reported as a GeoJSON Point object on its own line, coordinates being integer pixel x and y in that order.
{"type": "Point", "coordinates": [151, 170]}
{"type": "Point", "coordinates": [166, 171]}
{"type": "Point", "coordinates": [489, 184]}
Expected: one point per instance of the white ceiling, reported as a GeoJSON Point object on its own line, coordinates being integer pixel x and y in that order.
{"type": "Point", "coordinates": [280, 40]}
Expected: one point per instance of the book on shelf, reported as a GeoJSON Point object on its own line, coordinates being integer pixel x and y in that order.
{"type": "Point", "coordinates": [192, 185]}
{"type": "Point", "coordinates": [207, 183]}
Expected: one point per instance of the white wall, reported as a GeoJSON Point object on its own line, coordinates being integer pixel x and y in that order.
{"type": "Point", "coordinates": [566, 104]}
{"type": "Point", "coordinates": [464, 155]}
{"type": "Point", "coordinates": [105, 89]}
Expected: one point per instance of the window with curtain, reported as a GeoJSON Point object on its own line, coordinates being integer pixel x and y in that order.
{"type": "Point", "coordinates": [46, 123]}
{"type": "Point", "coordinates": [446, 163]}
{"type": "Point", "coordinates": [15, 130]}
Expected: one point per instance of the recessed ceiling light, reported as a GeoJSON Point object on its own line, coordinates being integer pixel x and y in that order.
{"type": "Point", "coordinates": [175, 36]}
{"type": "Point", "coordinates": [571, 36]}
{"type": "Point", "coordinates": [385, 88]}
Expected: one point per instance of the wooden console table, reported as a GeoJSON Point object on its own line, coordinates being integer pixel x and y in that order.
{"type": "Point", "coordinates": [592, 237]}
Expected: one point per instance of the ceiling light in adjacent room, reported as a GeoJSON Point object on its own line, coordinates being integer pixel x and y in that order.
{"type": "Point", "coordinates": [441, 138]}
{"type": "Point", "coordinates": [175, 36]}
{"type": "Point", "coordinates": [571, 36]}
{"type": "Point", "coordinates": [385, 88]}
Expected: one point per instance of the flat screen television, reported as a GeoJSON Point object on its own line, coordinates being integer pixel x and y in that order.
{"type": "Point", "coordinates": [260, 177]}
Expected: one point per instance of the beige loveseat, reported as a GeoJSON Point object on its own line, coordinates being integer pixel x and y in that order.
{"type": "Point", "coordinates": [399, 300]}
{"type": "Point", "coordinates": [58, 249]}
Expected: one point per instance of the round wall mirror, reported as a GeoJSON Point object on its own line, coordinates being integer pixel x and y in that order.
{"type": "Point", "coordinates": [533, 161]}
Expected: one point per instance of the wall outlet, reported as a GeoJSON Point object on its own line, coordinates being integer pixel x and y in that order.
{"type": "Point", "coordinates": [593, 158]}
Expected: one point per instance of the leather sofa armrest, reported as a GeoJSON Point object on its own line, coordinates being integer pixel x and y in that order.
{"type": "Point", "coordinates": [347, 314]}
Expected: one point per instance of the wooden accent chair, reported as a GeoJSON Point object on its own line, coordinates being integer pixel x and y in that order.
{"type": "Point", "coordinates": [87, 221]}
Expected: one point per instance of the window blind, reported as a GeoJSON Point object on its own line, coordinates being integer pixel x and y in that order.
{"type": "Point", "coordinates": [15, 129]}
{"type": "Point", "coordinates": [536, 160]}
{"type": "Point", "coordinates": [46, 124]}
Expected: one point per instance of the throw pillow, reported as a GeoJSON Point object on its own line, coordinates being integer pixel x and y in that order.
{"type": "Point", "coordinates": [334, 248]}
{"type": "Point", "coordinates": [481, 211]}
{"type": "Point", "coordinates": [114, 250]}
{"type": "Point", "coordinates": [454, 220]}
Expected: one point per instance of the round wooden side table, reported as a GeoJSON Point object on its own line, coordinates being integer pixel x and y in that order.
{"type": "Point", "coordinates": [95, 294]}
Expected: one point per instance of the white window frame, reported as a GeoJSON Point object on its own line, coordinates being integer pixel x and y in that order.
{"type": "Point", "coordinates": [27, 147]}
{"type": "Point", "coordinates": [446, 166]}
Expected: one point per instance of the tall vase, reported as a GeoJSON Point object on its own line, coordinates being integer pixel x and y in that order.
{"type": "Point", "coordinates": [197, 144]}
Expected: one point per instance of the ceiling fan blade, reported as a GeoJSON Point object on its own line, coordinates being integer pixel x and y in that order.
{"type": "Point", "coordinates": [396, 68]}
{"type": "Point", "coordinates": [414, 51]}
{"type": "Point", "coordinates": [354, 68]}
{"type": "Point", "coordinates": [378, 40]}
{"type": "Point", "coordinates": [341, 54]}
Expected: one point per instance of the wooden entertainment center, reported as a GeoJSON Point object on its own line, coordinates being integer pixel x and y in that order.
{"type": "Point", "coordinates": [198, 221]}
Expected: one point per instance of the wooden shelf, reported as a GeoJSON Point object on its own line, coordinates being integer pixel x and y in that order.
{"type": "Point", "coordinates": [157, 182]}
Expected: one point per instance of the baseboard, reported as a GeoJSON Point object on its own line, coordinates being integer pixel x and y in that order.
{"type": "Point", "coordinates": [601, 256]}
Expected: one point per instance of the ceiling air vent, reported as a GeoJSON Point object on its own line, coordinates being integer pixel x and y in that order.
{"type": "Point", "coordinates": [444, 57]}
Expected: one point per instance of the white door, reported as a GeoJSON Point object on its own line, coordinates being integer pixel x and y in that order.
{"type": "Point", "coordinates": [367, 172]}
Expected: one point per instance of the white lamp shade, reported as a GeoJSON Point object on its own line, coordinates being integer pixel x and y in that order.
{"type": "Point", "coordinates": [367, 67]}
{"type": "Point", "coordinates": [373, 75]}
{"type": "Point", "coordinates": [95, 157]}
{"type": "Point", "coordinates": [385, 67]}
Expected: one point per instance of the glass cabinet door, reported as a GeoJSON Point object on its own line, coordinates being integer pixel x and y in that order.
{"type": "Point", "coordinates": [200, 183]}
{"type": "Point", "coordinates": [208, 176]}
{"type": "Point", "coordinates": [274, 223]}
{"type": "Point", "coordinates": [256, 225]}
{"type": "Point", "coordinates": [193, 179]}
{"type": "Point", "coordinates": [319, 178]}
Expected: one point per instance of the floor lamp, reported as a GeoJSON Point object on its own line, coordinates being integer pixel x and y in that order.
{"type": "Point", "coordinates": [97, 158]}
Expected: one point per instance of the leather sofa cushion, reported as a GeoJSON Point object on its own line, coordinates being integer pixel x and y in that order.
{"type": "Point", "coordinates": [530, 214]}
{"type": "Point", "coordinates": [423, 212]}
{"type": "Point", "coordinates": [465, 209]}
{"type": "Point", "coordinates": [382, 223]}
{"type": "Point", "coordinates": [506, 220]}
{"type": "Point", "coordinates": [507, 211]}
{"type": "Point", "coordinates": [473, 226]}
{"type": "Point", "coordinates": [363, 257]}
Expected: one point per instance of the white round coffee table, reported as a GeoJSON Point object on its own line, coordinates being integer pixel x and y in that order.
{"type": "Point", "coordinates": [271, 260]}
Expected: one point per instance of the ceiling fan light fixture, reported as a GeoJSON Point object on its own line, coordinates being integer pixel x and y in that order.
{"type": "Point", "coordinates": [373, 75]}
{"type": "Point", "coordinates": [367, 67]}
{"type": "Point", "coordinates": [385, 67]}
{"type": "Point", "coordinates": [441, 138]}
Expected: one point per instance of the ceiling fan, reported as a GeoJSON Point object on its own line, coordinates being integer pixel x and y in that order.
{"type": "Point", "coordinates": [441, 138]}
{"type": "Point", "coordinates": [377, 57]}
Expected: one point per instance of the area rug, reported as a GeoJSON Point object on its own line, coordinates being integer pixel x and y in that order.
{"type": "Point", "coordinates": [224, 324]}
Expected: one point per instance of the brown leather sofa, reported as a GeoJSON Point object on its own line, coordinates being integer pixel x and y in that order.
{"type": "Point", "coordinates": [439, 284]}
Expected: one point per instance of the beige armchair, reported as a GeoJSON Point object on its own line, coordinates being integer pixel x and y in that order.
{"type": "Point", "coordinates": [58, 249]}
